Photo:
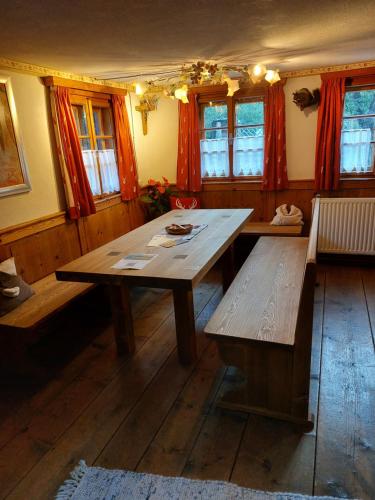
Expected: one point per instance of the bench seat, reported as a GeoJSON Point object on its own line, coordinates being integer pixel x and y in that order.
{"type": "Point", "coordinates": [262, 303]}
{"type": "Point", "coordinates": [50, 296]}
{"type": "Point", "coordinates": [266, 229]}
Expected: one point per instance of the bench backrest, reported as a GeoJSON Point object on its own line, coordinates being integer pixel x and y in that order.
{"type": "Point", "coordinates": [304, 328]}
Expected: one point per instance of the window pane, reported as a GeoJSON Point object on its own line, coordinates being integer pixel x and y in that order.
{"type": "Point", "coordinates": [357, 148]}
{"type": "Point", "coordinates": [80, 118]}
{"type": "Point", "coordinates": [249, 113]}
{"type": "Point", "coordinates": [359, 103]}
{"type": "Point", "coordinates": [220, 133]}
{"type": "Point", "coordinates": [102, 121]}
{"type": "Point", "coordinates": [85, 144]}
{"type": "Point", "coordinates": [215, 157]}
{"type": "Point", "coordinates": [358, 132]}
{"type": "Point", "coordinates": [105, 144]}
{"type": "Point", "coordinates": [249, 131]}
{"type": "Point", "coordinates": [215, 116]}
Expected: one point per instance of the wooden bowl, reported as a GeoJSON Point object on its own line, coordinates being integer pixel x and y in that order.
{"type": "Point", "coordinates": [179, 229]}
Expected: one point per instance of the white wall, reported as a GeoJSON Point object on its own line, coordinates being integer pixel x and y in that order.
{"type": "Point", "coordinates": [157, 151]}
{"type": "Point", "coordinates": [300, 130]}
{"type": "Point", "coordinates": [45, 197]}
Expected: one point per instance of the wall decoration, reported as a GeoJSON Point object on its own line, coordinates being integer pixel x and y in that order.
{"type": "Point", "coordinates": [303, 98]}
{"type": "Point", "coordinates": [13, 169]}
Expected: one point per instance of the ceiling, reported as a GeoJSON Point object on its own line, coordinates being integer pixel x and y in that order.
{"type": "Point", "coordinates": [118, 38]}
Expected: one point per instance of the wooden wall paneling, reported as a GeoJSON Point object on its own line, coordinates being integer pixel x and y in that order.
{"type": "Point", "coordinates": [110, 223]}
{"type": "Point", "coordinates": [41, 254]}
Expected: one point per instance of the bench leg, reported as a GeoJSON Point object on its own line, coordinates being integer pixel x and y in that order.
{"type": "Point", "coordinates": [267, 384]}
{"type": "Point", "coordinates": [185, 325]}
{"type": "Point", "coordinates": [122, 318]}
{"type": "Point", "coordinates": [227, 267]}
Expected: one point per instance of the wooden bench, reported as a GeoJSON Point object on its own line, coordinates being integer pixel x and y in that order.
{"type": "Point", "coordinates": [263, 326]}
{"type": "Point", "coordinates": [18, 326]}
{"type": "Point", "coordinates": [266, 229]}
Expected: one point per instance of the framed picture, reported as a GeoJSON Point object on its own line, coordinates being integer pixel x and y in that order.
{"type": "Point", "coordinates": [13, 169]}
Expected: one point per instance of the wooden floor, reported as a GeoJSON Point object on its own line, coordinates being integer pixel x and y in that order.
{"type": "Point", "coordinates": [150, 414]}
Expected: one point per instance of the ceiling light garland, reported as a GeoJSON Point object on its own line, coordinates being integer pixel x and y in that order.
{"type": "Point", "coordinates": [206, 73]}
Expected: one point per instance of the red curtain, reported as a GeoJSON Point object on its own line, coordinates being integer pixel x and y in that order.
{"type": "Point", "coordinates": [80, 199]}
{"type": "Point", "coordinates": [125, 152]}
{"type": "Point", "coordinates": [275, 177]}
{"type": "Point", "coordinates": [328, 135]}
{"type": "Point", "coordinates": [188, 158]}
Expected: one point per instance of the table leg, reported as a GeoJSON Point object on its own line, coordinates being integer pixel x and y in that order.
{"type": "Point", "coordinates": [227, 267]}
{"type": "Point", "coordinates": [122, 318]}
{"type": "Point", "coordinates": [185, 325]}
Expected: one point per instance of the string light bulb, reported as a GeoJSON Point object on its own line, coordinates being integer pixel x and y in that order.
{"type": "Point", "coordinates": [257, 73]}
{"type": "Point", "coordinates": [139, 89]}
{"type": "Point", "coordinates": [272, 76]}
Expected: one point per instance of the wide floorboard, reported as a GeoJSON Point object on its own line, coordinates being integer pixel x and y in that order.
{"type": "Point", "coordinates": [148, 413]}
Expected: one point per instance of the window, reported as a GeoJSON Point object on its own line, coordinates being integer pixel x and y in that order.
{"type": "Point", "coordinates": [93, 117]}
{"type": "Point", "coordinates": [358, 132]}
{"type": "Point", "coordinates": [232, 138]}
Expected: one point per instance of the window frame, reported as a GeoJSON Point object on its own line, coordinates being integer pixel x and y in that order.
{"type": "Point", "coordinates": [91, 100]}
{"type": "Point", "coordinates": [355, 85]}
{"type": "Point", "coordinates": [242, 95]}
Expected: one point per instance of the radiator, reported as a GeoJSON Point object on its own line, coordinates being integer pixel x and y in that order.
{"type": "Point", "coordinates": [347, 225]}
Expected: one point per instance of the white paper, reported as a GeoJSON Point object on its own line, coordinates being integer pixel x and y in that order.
{"type": "Point", "coordinates": [134, 261]}
{"type": "Point", "coordinates": [159, 240]}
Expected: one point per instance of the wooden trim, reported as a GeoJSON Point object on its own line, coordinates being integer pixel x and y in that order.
{"type": "Point", "coordinates": [327, 69]}
{"type": "Point", "coordinates": [250, 185]}
{"type": "Point", "coordinates": [107, 202]}
{"type": "Point", "coordinates": [41, 71]}
{"type": "Point", "coordinates": [19, 231]}
{"type": "Point", "coordinates": [50, 81]}
{"type": "Point", "coordinates": [357, 183]}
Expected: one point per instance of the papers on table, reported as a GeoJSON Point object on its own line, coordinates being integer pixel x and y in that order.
{"type": "Point", "coordinates": [134, 261]}
{"type": "Point", "coordinates": [168, 240]}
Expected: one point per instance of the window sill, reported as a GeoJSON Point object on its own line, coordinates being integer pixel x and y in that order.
{"type": "Point", "coordinates": [232, 185]}
{"type": "Point", "coordinates": [107, 201]}
{"type": "Point", "coordinates": [367, 182]}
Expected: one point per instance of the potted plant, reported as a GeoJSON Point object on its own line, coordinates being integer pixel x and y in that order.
{"type": "Point", "coordinates": [156, 199]}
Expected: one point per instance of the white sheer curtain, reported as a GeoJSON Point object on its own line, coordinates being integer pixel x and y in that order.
{"type": "Point", "coordinates": [108, 170]}
{"type": "Point", "coordinates": [106, 159]}
{"type": "Point", "coordinates": [356, 154]}
{"type": "Point", "coordinates": [248, 154]}
{"type": "Point", "coordinates": [214, 157]}
{"type": "Point", "coordinates": [89, 159]}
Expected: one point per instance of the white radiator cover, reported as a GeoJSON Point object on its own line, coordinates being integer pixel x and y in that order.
{"type": "Point", "coordinates": [347, 225]}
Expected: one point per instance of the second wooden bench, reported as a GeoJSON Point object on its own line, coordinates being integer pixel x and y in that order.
{"type": "Point", "coordinates": [263, 326]}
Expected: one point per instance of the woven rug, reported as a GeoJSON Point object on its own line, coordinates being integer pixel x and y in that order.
{"type": "Point", "coordinates": [95, 483]}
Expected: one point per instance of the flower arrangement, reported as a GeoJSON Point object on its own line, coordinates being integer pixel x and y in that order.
{"type": "Point", "coordinates": [157, 197]}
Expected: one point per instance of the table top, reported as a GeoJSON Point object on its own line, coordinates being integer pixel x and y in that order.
{"type": "Point", "coordinates": [181, 265]}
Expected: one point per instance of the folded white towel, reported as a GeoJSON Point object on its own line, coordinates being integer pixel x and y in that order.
{"type": "Point", "coordinates": [285, 217]}
{"type": "Point", "coordinates": [11, 292]}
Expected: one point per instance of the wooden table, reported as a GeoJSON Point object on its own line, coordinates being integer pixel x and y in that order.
{"type": "Point", "coordinates": [177, 268]}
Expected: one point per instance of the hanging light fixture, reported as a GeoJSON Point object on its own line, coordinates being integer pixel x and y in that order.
{"type": "Point", "coordinates": [272, 76]}
{"type": "Point", "coordinates": [233, 85]}
{"type": "Point", "coordinates": [139, 89]}
{"type": "Point", "coordinates": [181, 93]}
{"type": "Point", "coordinates": [257, 73]}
